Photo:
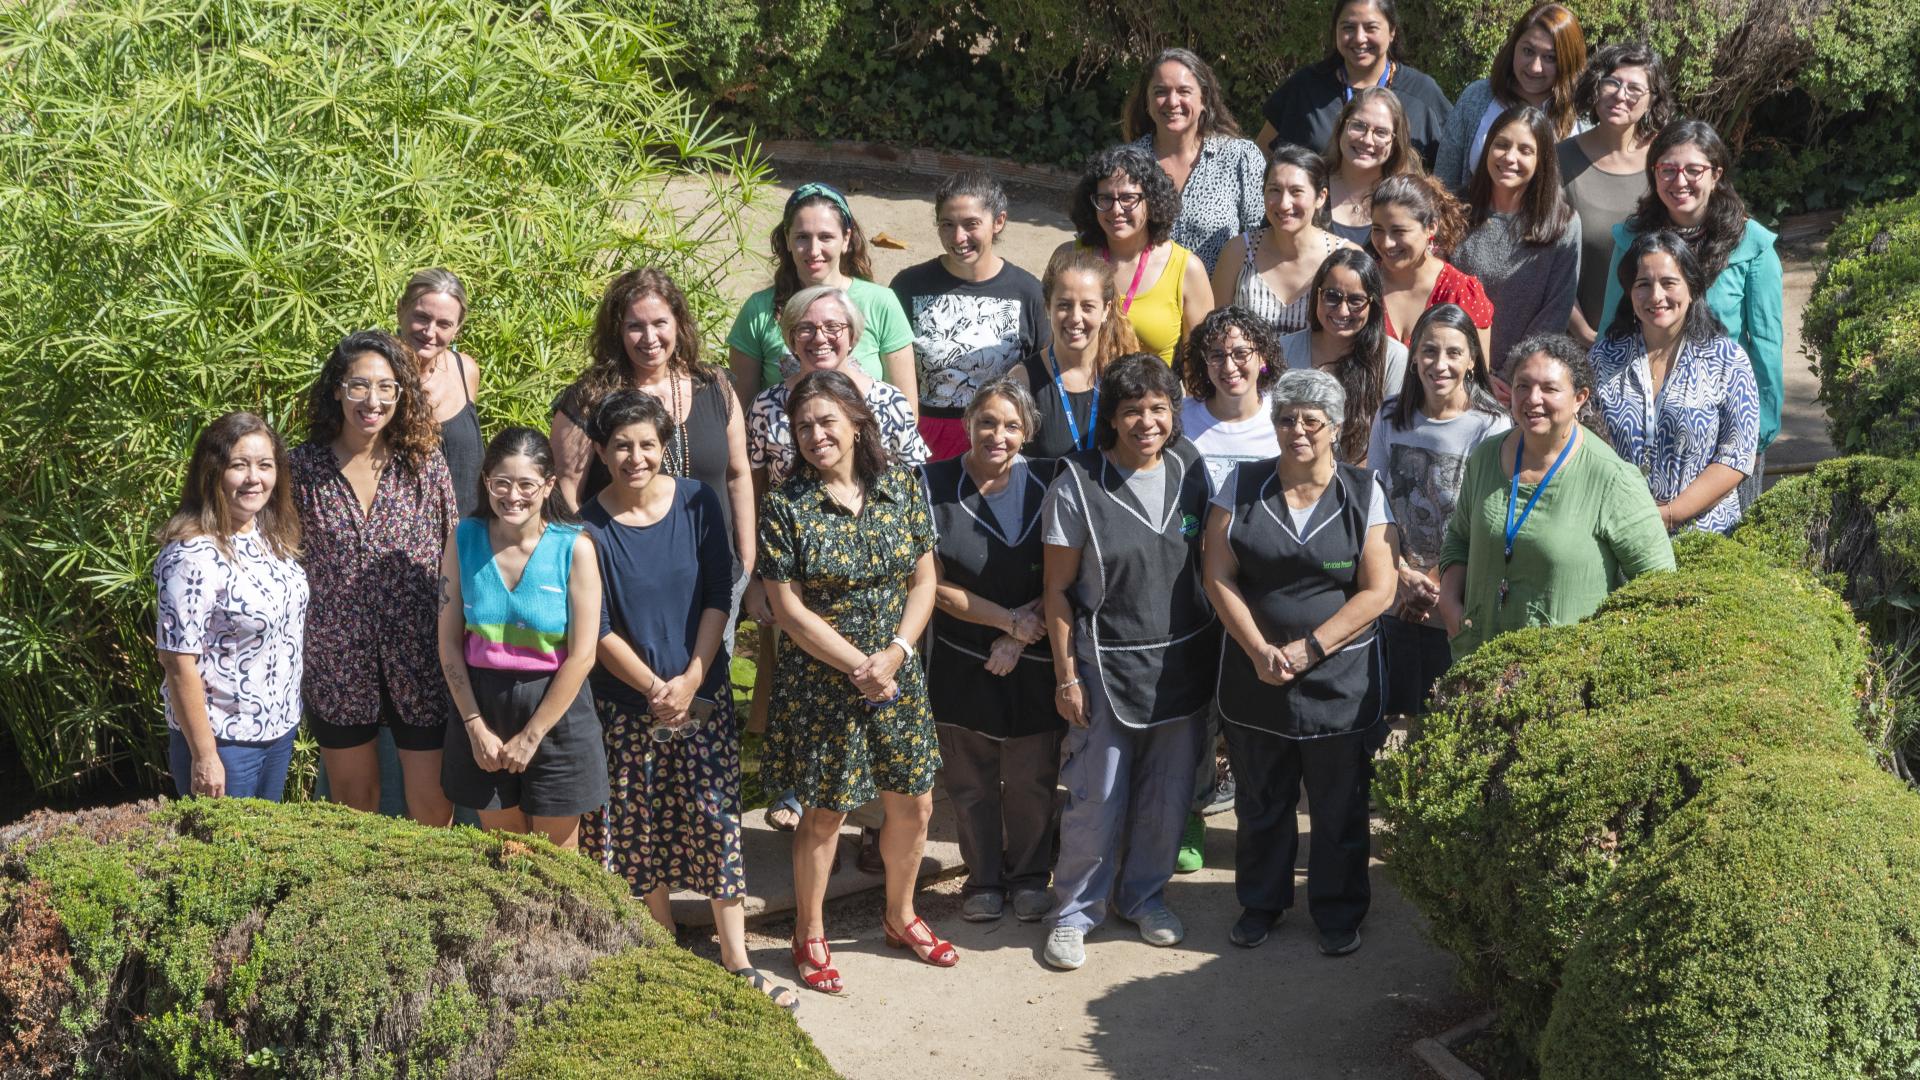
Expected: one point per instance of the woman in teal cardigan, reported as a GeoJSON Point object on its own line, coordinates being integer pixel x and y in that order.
{"type": "Point", "coordinates": [1692, 194]}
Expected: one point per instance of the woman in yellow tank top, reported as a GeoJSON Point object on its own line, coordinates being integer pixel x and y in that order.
{"type": "Point", "coordinates": [1124, 207]}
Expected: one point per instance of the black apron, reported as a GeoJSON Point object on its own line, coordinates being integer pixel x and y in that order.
{"type": "Point", "coordinates": [1293, 583]}
{"type": "Point", "coordinates": [1152, 639]}
{"type": "Point", "coordinates": [976, 556]}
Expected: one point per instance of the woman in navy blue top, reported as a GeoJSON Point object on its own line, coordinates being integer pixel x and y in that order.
{"type": "Point", "coordinates": [673, 755]}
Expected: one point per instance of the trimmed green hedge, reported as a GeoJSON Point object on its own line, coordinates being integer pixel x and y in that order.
{"type": "Point", "coordinates": [1767, 930]}
{"type": "Point", "coordinates": [1863, 327]}
{"type": "Point", "coordinates": [1554, 754]}
{"type": "Point", "coordinates": [234, 938]}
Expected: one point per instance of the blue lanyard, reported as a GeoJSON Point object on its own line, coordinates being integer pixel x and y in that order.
{"type": "Point", "coordinates": [1066, 406]}
{"type": "Point", "coordinates": [1513, 493]}
{"type": "Point", "coordinates": [1346, 90]}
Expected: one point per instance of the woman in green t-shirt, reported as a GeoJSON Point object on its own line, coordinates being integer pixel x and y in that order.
{"type": "Point", "coordinates": [1549, 519]}
{"type": "Point", "coordinates": [818, 243]}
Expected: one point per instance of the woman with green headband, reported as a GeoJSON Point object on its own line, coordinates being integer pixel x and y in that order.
{"type": "Point", "coordinates": [818, 243]}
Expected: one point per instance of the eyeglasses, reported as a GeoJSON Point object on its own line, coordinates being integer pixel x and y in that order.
{"type": "Point", "coordinates": [1219, 357]}
{"type": "Point", "coordinates": [1694, 173]}
{"type": "Point", "coordinates": [502, 487]}
{"type": "Point", "coordinates": [385, 392]}
{"type": "Point", "coordinates": [1125, 200]}
{"type": "Point", "coordinates": [1627, 92]}
{"type": "Point", "coordinates": [825, 329]}
{"type": "Point", "coordinates": [1360, 129]}
{"type": "Point", "coordinates": [1352, 301]}
{"type": "Point", "coordinates": [662, 734]}
{"type": "Point", "coordinates": [1295, 422]}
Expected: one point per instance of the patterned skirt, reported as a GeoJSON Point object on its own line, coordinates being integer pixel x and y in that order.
{"type": "Point", "coordinates": [673, 808]}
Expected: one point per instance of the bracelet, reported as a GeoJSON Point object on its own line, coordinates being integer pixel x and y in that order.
{"type": "Point", "coordinates": [471, 719]}
{"type": "Point", "coordinates": [905, 645]}
{"type": "Point", "coordinates": [1065, 685]}
{"type": "Point", "coordinates": [1315, 651]}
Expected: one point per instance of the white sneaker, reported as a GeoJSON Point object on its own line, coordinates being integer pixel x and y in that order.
{"type": "Point", "coordinates": [1160, 927]}
{"type": "Point", "coordinates": [1066, 948]}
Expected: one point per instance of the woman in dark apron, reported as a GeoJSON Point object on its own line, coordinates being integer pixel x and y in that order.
{"type": "Point", "coordinates": [987, 672]}
{"type": "Point", "coordinates": [1300, 569]}
{"type": "Point", "coordinates": [1134, 643]}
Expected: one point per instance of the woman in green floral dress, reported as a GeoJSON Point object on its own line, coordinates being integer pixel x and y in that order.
{"type": "Point", "coordinates": [846, 550]}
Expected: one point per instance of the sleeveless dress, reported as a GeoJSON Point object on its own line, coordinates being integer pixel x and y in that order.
{"type": "Point", "coordinates": [463, 447]}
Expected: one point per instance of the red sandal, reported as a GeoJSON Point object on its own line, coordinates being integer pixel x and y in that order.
{"type": "Point", "coordinates": [933, 950]}
{"type": "Point", "coordinates": [824, 977]}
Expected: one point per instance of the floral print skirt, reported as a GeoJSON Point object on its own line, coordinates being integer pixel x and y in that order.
{"type": "Point", "coordinates": [673, 810]}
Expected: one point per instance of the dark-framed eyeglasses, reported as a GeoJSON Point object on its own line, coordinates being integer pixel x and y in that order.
{"type": "Point", "coordinates": [1125, 200]}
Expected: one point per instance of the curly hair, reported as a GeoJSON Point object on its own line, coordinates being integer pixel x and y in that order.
{"type": "Point", "coordinates": [1726, 222]}
{"type": "Point", "coordinates": [869, 450]}
{"type": "Point", "coordinates": [1431, 204]}
{"type": "Point", "coordinates": [854, 262]}
{"type": "Point", "coordinates": [1212, 330]}
{"type": "Point", "coordinates": [1137, 165]}
{"type": "Point", "coordinates": [1562, 350]}
{"type": "Point", "coordinates": [412, 434]}
{"type": "Point", "coordinates": [1215, 117]}
{"type": "Point", "coordinates": [1570, 60]}
{"type": "Point", "coordinates": [611, 369]}
{"type": "Point", "coordinates": [203, 509]}
{"type": "Point", "coordinates": [1611, 58]}
{"type": "Point", "coordinates": [1131, 378]}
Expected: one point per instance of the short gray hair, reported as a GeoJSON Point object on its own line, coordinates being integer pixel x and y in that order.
{"type": "Point", "coordinates": [1016, 394]}
{"type": "Point", "coordinates": [1310, 389]}
{"type": "Point", "coordinates": [796, 308]}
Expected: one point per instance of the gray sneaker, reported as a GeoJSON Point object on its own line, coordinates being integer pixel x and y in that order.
{"type": "Point", "coordinates": [1066, 948]}
{"type": "Point", "coordinates": [1160, 927]}
{"type": "Point", "coordinates": [1031, 905]}
{"type": "Point", "coordinates": [983, 907]}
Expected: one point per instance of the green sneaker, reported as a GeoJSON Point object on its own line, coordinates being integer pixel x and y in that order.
{"type": "Point", "coordinates": [1192, 844]}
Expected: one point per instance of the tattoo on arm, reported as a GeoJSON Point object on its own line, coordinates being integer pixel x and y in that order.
{"type": "Point", "coordinates": [446, 591]}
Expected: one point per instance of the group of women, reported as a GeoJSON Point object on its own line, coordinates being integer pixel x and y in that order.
{"type": "Point", "coordinates": [1283, 431]}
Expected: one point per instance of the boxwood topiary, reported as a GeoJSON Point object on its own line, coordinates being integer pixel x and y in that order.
{"type": "Point", "coordinates": [1862, 325]}
{"type": "Point", "coordinates": [235, 938]}
{"type": "Point", "coordinates": [1554, 753]}
{"type": "Point", "coordinates": [1766, 930]}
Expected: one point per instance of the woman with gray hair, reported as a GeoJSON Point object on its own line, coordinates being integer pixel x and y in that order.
{"type": "Point", "coordinates": [1299, 569]}
{"type": "Point", "coordinates": [987, 662]}
{"type": "Point", "coordinates": [822, 325]}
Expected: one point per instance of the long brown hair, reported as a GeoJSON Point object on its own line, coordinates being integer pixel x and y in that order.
{"type": "Point", "coordinates": [203, 507]}
{"type": "Point", "coordinates": [1569, 61]}
{"type": "Point", "coordinates": [1215, 117]}
{"type": "Point", "coordinates": [1401, 160]}
{"type": "Point", "coordinates": [1362, 372]}
{"type": "Point", "coordinates": [611, 369]}
{"type": "Point", "coordinates": [411, 435]}
{"type": "Point", "coordinates": [1117, 338]}
{"type": "Point", "coordinates": [854, 262]}
{"type": "Point", "coordinates": [1544, 214]}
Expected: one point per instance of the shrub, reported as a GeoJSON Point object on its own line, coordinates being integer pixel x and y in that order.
{"type": "Point", "coordinates": [234, 938]}
{"type": "Point", "coordinates": [197, 199]}
{"type": "Point", "coordinates": [1554, 754]}
{"type": "Point", "coordinates": [1863, 327]}
{"type": "Point", "coordinates": [1765, 930]}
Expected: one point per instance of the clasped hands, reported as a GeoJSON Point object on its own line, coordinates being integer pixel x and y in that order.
{"type": "Point", "coordinates": [1278, 665]}
{"type": "Point", "coordinates": [1024, 628]}
{"type": "Point", "coordinates": [494, 755]}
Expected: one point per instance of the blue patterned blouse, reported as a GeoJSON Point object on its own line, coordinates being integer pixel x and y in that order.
{"type": "Point", "coordinates": [1707, 412]}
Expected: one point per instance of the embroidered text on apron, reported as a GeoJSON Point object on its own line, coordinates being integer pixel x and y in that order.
{"type": "Point", "coordinates": [1293, 582]}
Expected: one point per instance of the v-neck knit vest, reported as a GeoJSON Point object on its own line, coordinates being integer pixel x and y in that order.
{"type": "Point", "coordinates": [524, 629]}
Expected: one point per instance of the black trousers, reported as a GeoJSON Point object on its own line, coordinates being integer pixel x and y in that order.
{"type": "Point", "coordinates": [1002, 796]}
{"type": "Point", "coordinates": [1269, 771]}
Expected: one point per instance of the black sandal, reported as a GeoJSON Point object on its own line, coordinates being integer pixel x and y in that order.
{"type": "Point", "coordinates": [782, 996]}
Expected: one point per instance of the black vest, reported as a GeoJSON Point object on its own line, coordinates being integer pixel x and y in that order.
{"type": "Point", "coordinates": [1293, 582]}
{"type": "Point", "coordinates": [976, 556]}
{"type": "Point", "coordinates": [1152, 638]}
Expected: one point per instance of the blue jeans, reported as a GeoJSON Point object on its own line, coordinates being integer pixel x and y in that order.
{"type": "Point", "coordinates": [255, 770]}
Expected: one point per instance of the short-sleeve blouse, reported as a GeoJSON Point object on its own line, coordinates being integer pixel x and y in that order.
{"type": "Point", "coordinates": [243, 615]}
{"type": "Point", "coordinates": [375, 581]}
{"type": "Point", "coordinates": [770, 437]}
{"type": "Point", "coordinates": [1224, 196]}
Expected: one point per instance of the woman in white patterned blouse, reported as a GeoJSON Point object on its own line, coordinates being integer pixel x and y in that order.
{"type": "Point", "coordinates": [233, 612]}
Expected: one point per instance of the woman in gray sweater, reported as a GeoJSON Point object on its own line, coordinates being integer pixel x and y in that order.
{"type": "Point", "coordinates": [1524, 241]}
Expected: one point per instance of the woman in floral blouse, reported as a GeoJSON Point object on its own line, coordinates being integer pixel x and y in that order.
{"type": "Point", "coordinates": [846, 550]}
{"type": "Point", "coordinates": [376, 506]}
{"type": "Point", "coordinates": [1679, 395]}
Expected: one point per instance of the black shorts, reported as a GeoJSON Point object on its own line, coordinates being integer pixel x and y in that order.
{"type": "Point", "coordinates": [406, 736]}
{"type": "Point", "coordinates": [568, 773]}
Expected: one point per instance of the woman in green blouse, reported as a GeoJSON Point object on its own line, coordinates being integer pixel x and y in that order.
{"type": "Point", "coordinates": [1549, 519]}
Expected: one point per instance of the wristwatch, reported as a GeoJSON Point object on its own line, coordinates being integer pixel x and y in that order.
{"type": "Point", "coordinates": [905, 645]}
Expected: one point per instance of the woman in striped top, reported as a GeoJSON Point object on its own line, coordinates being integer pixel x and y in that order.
{"type": "Point", "coordinates": [519, 622]}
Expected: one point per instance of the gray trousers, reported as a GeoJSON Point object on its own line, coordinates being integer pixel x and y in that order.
{"type": "Point", "coordinates": [1129, 791]}
{"type": "Point", "coordinates": [1002, 796]}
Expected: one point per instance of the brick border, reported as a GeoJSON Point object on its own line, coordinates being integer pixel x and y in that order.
{"type": "Point", "coordinates": [1437, 1053]}
{"type": "Point", "coordinates": [918, 162]}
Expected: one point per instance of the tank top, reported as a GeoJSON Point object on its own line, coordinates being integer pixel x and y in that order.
{"type": "Point", "coordinates": [462, 446]}
{"type": "Point", "coordinates": [1054, 435]}
{"type": "Point", "coordinates": [524, 629]}
{"type": "Point", "coordinates": [1156, 313]}
{"type": "Point", "coordinates": [705, 431]}
{"type": "Point", "coordinates": [1254, 294]}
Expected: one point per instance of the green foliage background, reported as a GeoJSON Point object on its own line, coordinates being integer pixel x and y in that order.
{"type": "Point", "coordinates": [197, 197]}
{"type": "Point", "coordinates": [1862, 326]}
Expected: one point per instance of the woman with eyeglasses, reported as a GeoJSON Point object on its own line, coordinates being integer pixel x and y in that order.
{"type": "Point", "coordinates": [1604, 168]}
{"type": "Point", "coordinates": [1178, 114]}
{"type": "Point", "coordinates": [1363, 53]}
{"type": "Point", "coordinates": [660, 686]}
{"type": "Point", "coordinates": [1538, 66]}
{"type": "Point", "coordinates": [519, 617]}
{"type": "Point", "coordinates": [1348, 340]}
{"type": "Point", "coordinates": [1268, 269]}
{"type": "Point", "coordinates": [376, 507]}
{"type": "Point", "coordinates": [1299, 567]}
{"type": "Point", "coordinates": [817, 242]}
{"type": "Point", "coordinates": [1690, 171]}
{"type": "Point", "coordinates": [1368, 145]}
{"type": "Point", "coordinates": [1124, 208]}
